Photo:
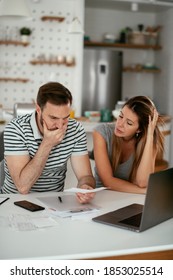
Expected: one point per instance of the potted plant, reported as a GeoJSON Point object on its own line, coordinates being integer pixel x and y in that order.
{"type": "Point", "coordinates": [25, 32]}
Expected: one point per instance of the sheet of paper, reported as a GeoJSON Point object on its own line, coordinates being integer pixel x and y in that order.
{"type": "Point", "coordinates": [26, 223]}
{"type": "Point", "coordinates": [84, 214]}
{"type": "Point", "coordinates": [42, 222]}
{"type": "Point", "coordinates": [78, 190]}
{"type": "Point", "coordinates": [67, 203]}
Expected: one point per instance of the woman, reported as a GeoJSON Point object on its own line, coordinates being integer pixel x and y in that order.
{"type": "Point", "coordinates": [125, 152]}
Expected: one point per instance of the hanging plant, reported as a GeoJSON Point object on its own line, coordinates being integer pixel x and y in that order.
{"type": "Point", "coordinates": [25, 31]}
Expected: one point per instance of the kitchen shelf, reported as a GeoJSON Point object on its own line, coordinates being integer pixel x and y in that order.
{"type": "Point", "coordinates": [119, 45]}
{"type": "Point", "coordinates": [51, 18]}
{"type": "Point", "coordinates": [38, 62]}
{"type": "Point", "coordinates": [16, 43]}
{"type": "Point", "coordinates": [143, 70]}
{"type": "Point", "coordinates": [21, 80]}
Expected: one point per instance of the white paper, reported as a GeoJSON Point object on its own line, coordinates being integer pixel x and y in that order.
{"type": "Point", "coordinates": [78, 190]}
{"type": "Point", "coordinates": [85, 214]}
{"type": "Point", "coordinates": [42, 222]}
{"type": "Point", "coordinates": [69, 203]}
{"type": "Point", "coordinates": [26, 223]}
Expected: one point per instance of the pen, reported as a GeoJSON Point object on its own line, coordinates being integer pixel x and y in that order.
{"type": "Point", "coordinates": [4, 200]}
{"type": "Point", "coordinates": [60, 199]}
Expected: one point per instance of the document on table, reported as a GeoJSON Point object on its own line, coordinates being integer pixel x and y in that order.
{"type": "Point", "coordinates": [67, 205]}
{"type": "Point", "coordinates": [26, 223]}
{"type": "Point", "coordinates": [78, 190]}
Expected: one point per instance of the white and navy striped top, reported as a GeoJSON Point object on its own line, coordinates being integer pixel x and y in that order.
{"type": "Point", "coordinates": [22, 137]}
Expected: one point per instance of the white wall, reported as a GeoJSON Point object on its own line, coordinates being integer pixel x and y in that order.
{"type": "Point", "coordinates": [48, 38]}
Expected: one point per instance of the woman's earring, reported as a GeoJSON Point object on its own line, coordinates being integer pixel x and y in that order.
{"type": "Point", "coordinates": [137, 135]}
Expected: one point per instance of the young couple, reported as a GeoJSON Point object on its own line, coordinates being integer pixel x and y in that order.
{"type": "Point", "coordinates": [38, 146]}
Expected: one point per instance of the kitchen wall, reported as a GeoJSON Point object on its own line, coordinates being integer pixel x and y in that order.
{"type": "Point", "coordinates": [48, 39]}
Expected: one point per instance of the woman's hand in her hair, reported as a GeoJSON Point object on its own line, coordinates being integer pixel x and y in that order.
{"type": "Point", "coordinates": [152, 123]}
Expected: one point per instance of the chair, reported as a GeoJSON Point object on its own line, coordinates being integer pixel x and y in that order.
{"type": "Point", "coordinates": [23, 108]}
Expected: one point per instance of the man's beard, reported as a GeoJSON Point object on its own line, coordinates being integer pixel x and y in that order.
{"type": "Point", "coordinates": [41, 122]}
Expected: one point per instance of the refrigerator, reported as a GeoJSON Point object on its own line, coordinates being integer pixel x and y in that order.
{"type": "Point", "coordinates": [102, 78]}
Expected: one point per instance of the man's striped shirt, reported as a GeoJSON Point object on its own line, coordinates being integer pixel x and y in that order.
{"type": "Point", "coordinates": [22, 137]}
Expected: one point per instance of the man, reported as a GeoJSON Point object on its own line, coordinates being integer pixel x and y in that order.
{"type": "Point", "coordinates": [38, 146]}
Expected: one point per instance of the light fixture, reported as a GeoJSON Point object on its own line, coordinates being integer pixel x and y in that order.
{"type": "Point", "coordinates": [75, 26]}
{"type": "Point", "coordinates": [15, 9]}
{"type": "Point", "coordinates": [134, 7]}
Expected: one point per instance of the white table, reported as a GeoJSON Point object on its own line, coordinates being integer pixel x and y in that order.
{"type": "Point", "coordinates": [83, 239]}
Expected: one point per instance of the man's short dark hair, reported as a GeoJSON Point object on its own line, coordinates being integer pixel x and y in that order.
{"type": "Point", "coordinates": [54, 93]}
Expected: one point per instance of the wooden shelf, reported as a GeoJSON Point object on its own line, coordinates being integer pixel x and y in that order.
{"type": "Point", "coordinates": [38, 62]}
{"type": "Point", "coordinates": [16, 43]}
{"type": "Point", "coordinates": [119, 45]}
{"type": "Point", "coordinates": [51, 18]}
{"type": "Point", "coordinates": [142, 70]}
{"type": "Point", "coordinates": [21, 80]}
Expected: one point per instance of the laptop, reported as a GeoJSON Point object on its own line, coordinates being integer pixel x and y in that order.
{"type": "Point", "coordinates": [157, 208]}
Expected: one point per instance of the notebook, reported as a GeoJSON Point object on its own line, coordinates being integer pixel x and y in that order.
{"type": "Point", "coordinates": [157, 208]}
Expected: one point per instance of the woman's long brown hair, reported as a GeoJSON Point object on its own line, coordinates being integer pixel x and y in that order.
{"type": "Point", "coordinates": [143, 107]}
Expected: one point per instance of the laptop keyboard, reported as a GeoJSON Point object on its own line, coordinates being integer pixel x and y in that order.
{"type": "Point", "coordinates": [133, 220]}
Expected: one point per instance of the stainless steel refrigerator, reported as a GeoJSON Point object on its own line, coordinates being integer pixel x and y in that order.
{"type": "Point", "coordinates": [102, 78]}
